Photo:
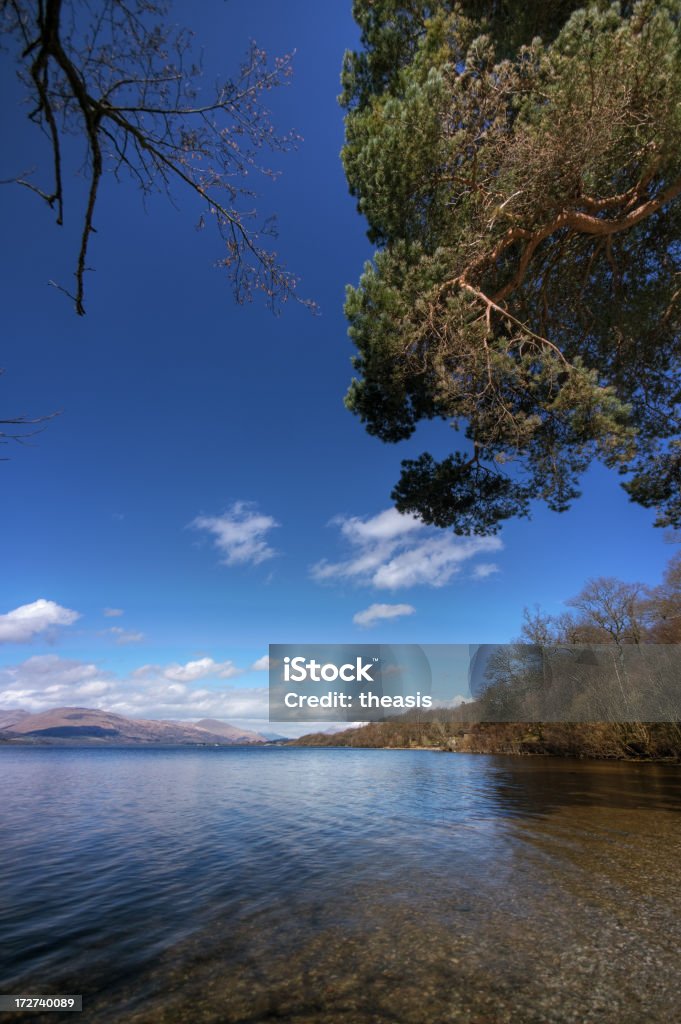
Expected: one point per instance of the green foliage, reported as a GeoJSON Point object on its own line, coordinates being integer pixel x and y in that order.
{"type": "Point", "coordinates": [519, 167]}
{"type": "Point", "coordinates": [452, 493]}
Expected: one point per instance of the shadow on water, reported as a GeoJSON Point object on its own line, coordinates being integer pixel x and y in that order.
{"type": "Point", "coordinates": [541, 785]}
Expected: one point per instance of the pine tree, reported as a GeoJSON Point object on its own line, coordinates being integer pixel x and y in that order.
{"type": "Point", "coordinates": [519, 167]}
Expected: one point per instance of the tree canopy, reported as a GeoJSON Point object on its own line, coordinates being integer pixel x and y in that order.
{"type": "Point", "coordinates": [121, 78]}
{"type": "Point", "coordinates": [519, 166]}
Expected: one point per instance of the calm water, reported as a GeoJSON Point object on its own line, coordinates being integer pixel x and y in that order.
{"type": "Point", "coordinates": [345, 886]}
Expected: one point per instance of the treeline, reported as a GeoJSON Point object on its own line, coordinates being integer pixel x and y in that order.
{"type": "Point", "coordinates": [607, 610]}
{"type": "Point", "coordinates": [586, 683]}
{"type": "Point", "coordinates": [610, 740]}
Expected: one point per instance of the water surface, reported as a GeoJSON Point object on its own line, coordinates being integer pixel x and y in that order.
{"type": "Point", "coordinates": [338, 885]}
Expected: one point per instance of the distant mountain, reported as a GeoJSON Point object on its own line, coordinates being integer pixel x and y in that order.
{"type": "Point", "coordinates": [8, 716]}
{"type": "Point", "coordinates": [228, 732]}
{"type": "Point", "coordinates": [88, 725]}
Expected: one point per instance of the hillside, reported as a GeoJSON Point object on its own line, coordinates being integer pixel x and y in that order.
{"type": "Point", "coordinates": [89, 725]}
{"type": "Point", "coordinates": [231, 733]}
{"type": "Point", "coordinates": [8, 716]}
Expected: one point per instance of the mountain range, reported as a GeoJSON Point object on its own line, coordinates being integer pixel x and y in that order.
{"type": "Point", "coordinates": [87, 725]}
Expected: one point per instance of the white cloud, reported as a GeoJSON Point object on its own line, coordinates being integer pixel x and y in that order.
{"type": "Point", "coordinates": [125, 636]}
{"type": "Point", "coordinates": [239, 534]}
{"type": "Point", "coordinates": [201, 669]}
{"type": "Point", "coordinates": [390, 551]}
{"type": "Point", "coordinates": [113, 613]}
{"type": "Point", "coordinates": [93, 689]}
{"type": "Point", "coordinates": [376, 612]}
{"type": "Point", "coordinates": [25, 622]}
{"type": "Point", "coordinates": [386, 526]}
{"type": "Point", "coordinates": [192, 671]}
{"type": "Point", "coordinates": [453, 702]}
{"type": "Point", "coordinates": [262, 664]}
{"type": "Point", "coordinates": [48, 681]}
{"type": "Point", "coordinates": [485, 569]}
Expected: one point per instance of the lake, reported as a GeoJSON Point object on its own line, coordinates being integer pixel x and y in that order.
{"type": "Point", "coordinates": [336, 885]}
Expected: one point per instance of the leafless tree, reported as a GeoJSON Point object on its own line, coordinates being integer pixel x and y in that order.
{"type": "Point", "coordinates": [612, 608]}
{"type": "Point", "coordinates": [663, 606]}
{"type": "Point", "coordinates": [120, 77]}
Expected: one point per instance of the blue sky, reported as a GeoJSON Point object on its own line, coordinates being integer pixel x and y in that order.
{"type": "Point", "coordinates": [204, 478]}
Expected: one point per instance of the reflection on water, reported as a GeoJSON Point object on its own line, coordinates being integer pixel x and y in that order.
{"type": "Point", "coordinates": [353, 886]}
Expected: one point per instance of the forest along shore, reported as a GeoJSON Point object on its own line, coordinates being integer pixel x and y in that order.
{"type": "Point", "coordinates": [440, 731]}
{"type": "Point", "coordinates": [638, 625]}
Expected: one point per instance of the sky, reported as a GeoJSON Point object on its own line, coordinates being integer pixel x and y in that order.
{"type": "Point", "coordinates": [203, 492]}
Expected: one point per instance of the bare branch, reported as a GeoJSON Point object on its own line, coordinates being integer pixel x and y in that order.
{"type": "Point", "coordinates": [22, 433]}
{"type": "Point", "coordinates": [124, 80]}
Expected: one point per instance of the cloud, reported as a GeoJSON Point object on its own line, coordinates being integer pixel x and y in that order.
{"type": "Point", "coordinates": [390, 551]}
{"type": "Point", "coordinates": [113, 613]}
{"type": "Point", "coordinates": [25, 622]}
{"type": "Point", "coordinates": [386, 526]}
{"type": "Point", "coordinates": [48, 681]}
{"type": "Point", "coordinates": [485, 569]}
{"type": "Point", "coordinates": [376, 612]}
{"type": "Point", "coordinates": [453, 702]}
{"type": "Point", "coordinates": [192, 671]}
{"type": "Point", "coordinates": [239, 534]}
{"type": "Point", "coordinates": [125, 636]}
{"type": "Point", "coordinates": [262, 664]}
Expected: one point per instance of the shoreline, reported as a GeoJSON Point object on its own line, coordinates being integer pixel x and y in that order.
{"type": "Point", "coordinates": [505, 753]}
{"type": "Point", "coordinates": [555, 755]}
{"type": "Point", "coordinates": [658, 742]}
